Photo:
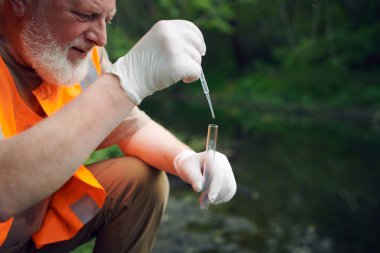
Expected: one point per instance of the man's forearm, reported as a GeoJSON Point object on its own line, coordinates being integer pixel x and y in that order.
{"type": "Point", "coordinates": [38, 161]}
{"type": "Point", "coordinates": [155, 145]}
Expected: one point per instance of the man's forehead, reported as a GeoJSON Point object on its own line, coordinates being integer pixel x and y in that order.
{"type": "Point", "coordinates": [108, 6]}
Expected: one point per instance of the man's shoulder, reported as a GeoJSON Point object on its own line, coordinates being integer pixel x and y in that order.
{"type": "Point", "coordinates": [105, 62]}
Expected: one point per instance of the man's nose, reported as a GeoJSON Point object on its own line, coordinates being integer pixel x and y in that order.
{"type": "Point", "coordinates": [98, 34]}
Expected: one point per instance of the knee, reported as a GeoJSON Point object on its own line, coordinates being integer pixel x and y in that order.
{"type": "Point", "coordinates": [151, 184]}
{"type": "Point", "coordinates": [130, 179]}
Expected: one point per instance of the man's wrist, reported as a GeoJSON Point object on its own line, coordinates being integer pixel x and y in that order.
{"type": "Point", "coordinates": [117, 72]}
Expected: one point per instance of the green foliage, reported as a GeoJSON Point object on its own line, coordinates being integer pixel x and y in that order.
{"type": "Point", "coordinates": [119, 44]}
{"type": "Point", "coordinates": [210, 14]}
{"type": "Point", "coordinates": [106, 153]}
{"type": "Point", "coordinates": [85, 248]}
{"type": "Point", "coordinates": [295, 86]}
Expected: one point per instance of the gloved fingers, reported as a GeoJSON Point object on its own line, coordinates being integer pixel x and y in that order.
{"type": "Point", "coordinates": [195, 180]}
{"type": "Point", "coordinates": [194, 54]}
{"type": "Point", "coordinates": [223, 184]}
{"type": "Point", "coordinates": [193, 47]}
{"type": "Point", "coordinates": [189, 170]}
{"type": "Point", "coordinates": [226, 194]}
{"type": "Point", "coordinates": [229, 188]}
{"type": "Point", "coordinates": [195, 42]}
{"type": "Point", "coordinates": [217, 179]}
{"type": "Point", "coordinates": [187, 69]}
{"type": "Point", "coordinates": [217, 165]}
{"type": "Point", "coordinates": [193, 74]}
{"type": "Point", "coordinates": [198, 41]}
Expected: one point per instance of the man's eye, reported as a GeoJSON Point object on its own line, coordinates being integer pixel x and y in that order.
{"type": "Point", "coordinates": [91, 17]}
{"type": "Point", "coordinates": [85, 17]}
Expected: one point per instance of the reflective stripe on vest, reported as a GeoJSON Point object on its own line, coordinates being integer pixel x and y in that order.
{"type": "Point", "coordinates": [80, 198]}
{"type": "Point", "coordinates": [93, 71]}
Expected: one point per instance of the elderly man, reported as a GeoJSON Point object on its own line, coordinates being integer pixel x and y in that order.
{"type": "Point", "coordinates": [61, 99]}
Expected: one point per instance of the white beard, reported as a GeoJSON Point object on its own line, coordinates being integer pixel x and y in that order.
{"type": "Point", "coordinates": [50, 60]}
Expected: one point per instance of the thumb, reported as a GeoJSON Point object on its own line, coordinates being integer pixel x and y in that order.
{"type": "Point", "coordinates": [189, 170]}
{"type": "Point", "coordinates": [195, 179]}
{"type": "Point", "coordinates": [189, 71]}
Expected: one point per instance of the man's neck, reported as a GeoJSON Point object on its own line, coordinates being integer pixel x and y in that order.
{"type": "Point", "coordinates": [20, 67]}
{"type": "Point", "coordinates": [25, 78]}
{"type": "Point", "coordinates": [16, 56]}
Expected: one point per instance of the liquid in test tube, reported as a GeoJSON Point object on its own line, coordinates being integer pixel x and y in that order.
{"type": "Point", "coordinates": [212, 134]}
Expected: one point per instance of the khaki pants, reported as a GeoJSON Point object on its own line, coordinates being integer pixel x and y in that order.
{"type": "Point", "coordinates": [129, 221]}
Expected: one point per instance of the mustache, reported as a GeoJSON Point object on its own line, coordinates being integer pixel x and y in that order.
{"type": "Point", "coordinates": [81, 44]}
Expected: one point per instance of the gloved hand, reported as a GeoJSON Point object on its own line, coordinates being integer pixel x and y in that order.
{"type": "Point", "coordinates": [188, 166]}
{"type": "Point", "coordinates": [169, 52]}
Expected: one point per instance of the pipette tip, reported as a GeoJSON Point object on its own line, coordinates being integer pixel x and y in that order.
{"type": "Point", "coordinates": [206, 91]}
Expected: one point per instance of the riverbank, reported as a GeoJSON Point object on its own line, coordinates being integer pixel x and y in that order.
{"type": "Point", "coordinates": [187, 228]}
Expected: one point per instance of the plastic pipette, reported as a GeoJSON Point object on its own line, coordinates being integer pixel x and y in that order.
{"type": "Point", "coordinates": [207, 93]}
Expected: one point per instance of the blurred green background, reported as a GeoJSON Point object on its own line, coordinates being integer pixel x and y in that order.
{"type": "Point", "coordinates": [296, 92]}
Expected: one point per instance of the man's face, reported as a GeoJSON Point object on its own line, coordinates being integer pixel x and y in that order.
{"type": "Point", "coordinates": [59, 35]}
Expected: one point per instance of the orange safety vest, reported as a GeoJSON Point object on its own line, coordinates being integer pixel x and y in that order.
{"type": "Point", "coordinates": [80, 198]}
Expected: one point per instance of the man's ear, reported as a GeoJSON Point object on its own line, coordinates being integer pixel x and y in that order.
{"type": "Point", "coordinates": [19, 7]}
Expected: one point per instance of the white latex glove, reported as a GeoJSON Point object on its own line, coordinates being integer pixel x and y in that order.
{"type": "Point", "coordinates": [170, 51]}
{"type": "Point", "coordinates": [188, 166]}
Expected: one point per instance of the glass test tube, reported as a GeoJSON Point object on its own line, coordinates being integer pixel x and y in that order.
{"type": "Point", "coordinates": [212, 135]}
